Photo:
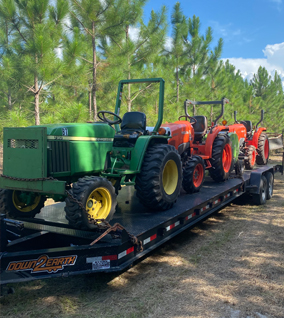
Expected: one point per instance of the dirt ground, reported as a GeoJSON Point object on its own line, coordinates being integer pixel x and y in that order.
{"type": "Point", "coordinates": [231, 265]}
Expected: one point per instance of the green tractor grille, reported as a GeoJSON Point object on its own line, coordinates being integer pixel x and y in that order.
{"type": "Point", "coordinates": [23, 143]}
{"type": "Point", "coordinates": [59, 156]}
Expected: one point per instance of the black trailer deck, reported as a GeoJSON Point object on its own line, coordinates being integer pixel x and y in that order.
{"type": "Point", "coordinates": [47, 246]}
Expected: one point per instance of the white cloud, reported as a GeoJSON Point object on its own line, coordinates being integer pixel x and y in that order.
{"type": "Point", "coordinates": [169, 43]}
{"type": "Point", "coordinates": [274, 62]}
{"type": "Point", "coordinates": [229, 33]}
{"type": "Point", "coordinates": [134, 33]}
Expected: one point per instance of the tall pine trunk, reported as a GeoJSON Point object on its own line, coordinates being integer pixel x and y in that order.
{"type": "Point", "coordinates": [177, 79]}
{"type": "Point", "coordinates": [36, 95]}
{"type": "Point", "coordinates": [128, 74]}
{"type": "Point", "coordinates": [90, 105]}
{"type": "Point", "coordinates": [94, 88]}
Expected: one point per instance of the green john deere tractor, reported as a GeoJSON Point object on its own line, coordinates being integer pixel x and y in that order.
{"type": "Point", "coordinates": [86, 165]}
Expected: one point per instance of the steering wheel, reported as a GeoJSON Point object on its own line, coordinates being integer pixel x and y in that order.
{"type": "Point", "coordinates": [190, 118]}
{"type": "Point", "coordinates": [102, 117]}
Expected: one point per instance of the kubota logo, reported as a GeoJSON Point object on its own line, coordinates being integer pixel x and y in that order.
{"type": "Point", "coordinates": [43, 264]}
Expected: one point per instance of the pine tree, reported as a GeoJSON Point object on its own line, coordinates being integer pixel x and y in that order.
{"type": "Point", "coordinates": [129, 56]}
{"type": "Point", "coordinates": [37, 28]}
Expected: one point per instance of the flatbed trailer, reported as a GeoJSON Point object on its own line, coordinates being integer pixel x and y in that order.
{"type": "Point", "coordinates": [46, 247]}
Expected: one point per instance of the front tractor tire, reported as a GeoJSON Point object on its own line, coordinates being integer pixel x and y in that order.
{"type": "Point", "coordinates": [222, 158]}
{"type": "Point", "coordinates": [15, 203]}
{"type": "Point", "coordinates": [193, 174]}
{"type": "Point", "coordinates": [97, 195]}
{"type": "Point", "coordinates": [262, 150]}
{"type": "Point", "coordinates": [159, 182]}
{"type": "Point", "coordinates": [250, 157]}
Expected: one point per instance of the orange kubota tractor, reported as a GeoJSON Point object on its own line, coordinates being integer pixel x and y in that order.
{"type": "Point", "coordinates": [201, 146]}
{"type": "Point", "coordinates": [254, 144]}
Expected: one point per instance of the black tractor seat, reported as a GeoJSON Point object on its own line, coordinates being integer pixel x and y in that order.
{"type": "Point", "coordinates": [200, 127]}
{"type": "Point", "coordinates": [132, 126]}
{"type": "Point", "coordinates": [248, 125]}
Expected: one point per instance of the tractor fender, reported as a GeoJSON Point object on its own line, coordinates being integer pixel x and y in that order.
{"type": "Point", "coordinates": [211, 137]}
{"type": "Point", "coordinates": [254, 141]}
{"type": "Point", "coordinates": [140, 148]}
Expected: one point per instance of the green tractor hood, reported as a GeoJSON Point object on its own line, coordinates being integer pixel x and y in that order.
{"type": "Point", "coordinates": [61, 151]}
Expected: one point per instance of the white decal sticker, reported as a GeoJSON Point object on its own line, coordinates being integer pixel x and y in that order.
{"type": "Point", "coordinates": [64, 132]}
{"type": "Point", "coordinates": [100, 264]}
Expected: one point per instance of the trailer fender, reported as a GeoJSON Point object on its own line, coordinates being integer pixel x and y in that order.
{"type": "Point", "coordinates": [255, 178]}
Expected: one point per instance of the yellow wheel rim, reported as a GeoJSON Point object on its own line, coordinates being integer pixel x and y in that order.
{"type": "Point", "coordinates": [23, 207]}
{"type": "Point", "coordinates": [170, 177]}
{"type": "Point", "coordinates": [99, 204]}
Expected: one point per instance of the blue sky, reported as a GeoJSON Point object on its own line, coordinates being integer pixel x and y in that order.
{"type": "Point", "coordinates": [252, 30]}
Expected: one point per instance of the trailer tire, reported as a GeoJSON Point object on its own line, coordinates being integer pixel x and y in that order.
{"type": "Point", "coordinates": [222, 158]}
{"type": "Point", "coordinates": [159, 182]}
{"type": "Point", "coordinates": [260, 198]}
{"type": "Point", "coordinates": [250, 157]}
{"type": "Point", "coordinates": [262, 149]}
{"type": "Point", "coordinates": [270, 181]}
{"type": "Point", "coordinates": [98, 197]}
{"type": "Point", "coordinates": [193, 174]}
{"type": "Point", "coordinates": [12, 206]}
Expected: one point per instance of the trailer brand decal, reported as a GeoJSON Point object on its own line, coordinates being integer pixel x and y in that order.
{"type": "Point", "coordinates": [43, 264]}
{"type": "Point", "coordinates": [78, 138]}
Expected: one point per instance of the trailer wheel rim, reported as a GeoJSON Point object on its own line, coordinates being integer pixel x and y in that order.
{"type": "Point", "coordinates": [198, 174]}
{"type": "Point", "coordinates": [99, 204]}
{"type": "Point", "coordinates": [266, 149]}
{"type": "Point", "coordinates": [22, 206]}
{"type": "Point", "coordinates": [227, 158]}
{"type": "Point", "coordinates": [170, 177]}
{"type": "Point", "coordinates": [263, 194]}
{"type": "Point", "coordinates": [253, 158]}
{"type": "Point", "coordinates": [270, 189]}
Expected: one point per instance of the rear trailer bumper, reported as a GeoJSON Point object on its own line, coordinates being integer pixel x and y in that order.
{"type": "Point", "coordinates": [46, 186]}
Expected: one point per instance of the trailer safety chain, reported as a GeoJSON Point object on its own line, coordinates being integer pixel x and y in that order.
{"type": "Point", "coordinates": [27, 179]}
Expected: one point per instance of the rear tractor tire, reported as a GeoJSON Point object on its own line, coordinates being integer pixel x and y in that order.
{"type": "Point", "coordinates": [262, 149]}
{"type": "Point", "coordinates": [193, 174]}
{"type": "Point", "coordinates": [250, 157]}
{"type": "Point", "coordinates": [15, 203]}
{"type": "Point", "coordinates": [222, 158]}
{"type": "Point", "coordinates": [98, 197]}
{"type": "Point", "coordinates": [159, 182]}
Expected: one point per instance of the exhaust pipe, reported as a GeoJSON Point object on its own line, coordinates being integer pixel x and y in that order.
{"type": "Point", "coordinates": [261, 118]}
{"type": "Point", "coordinates": [235, 117]}
{"type": "Point", "coordinates": [223, 102]}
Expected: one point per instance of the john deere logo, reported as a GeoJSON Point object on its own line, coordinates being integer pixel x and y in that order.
{"type": "Point", "coordinates": [64, 132]}
{"type": "Point", "coordinates": [43, 264]}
